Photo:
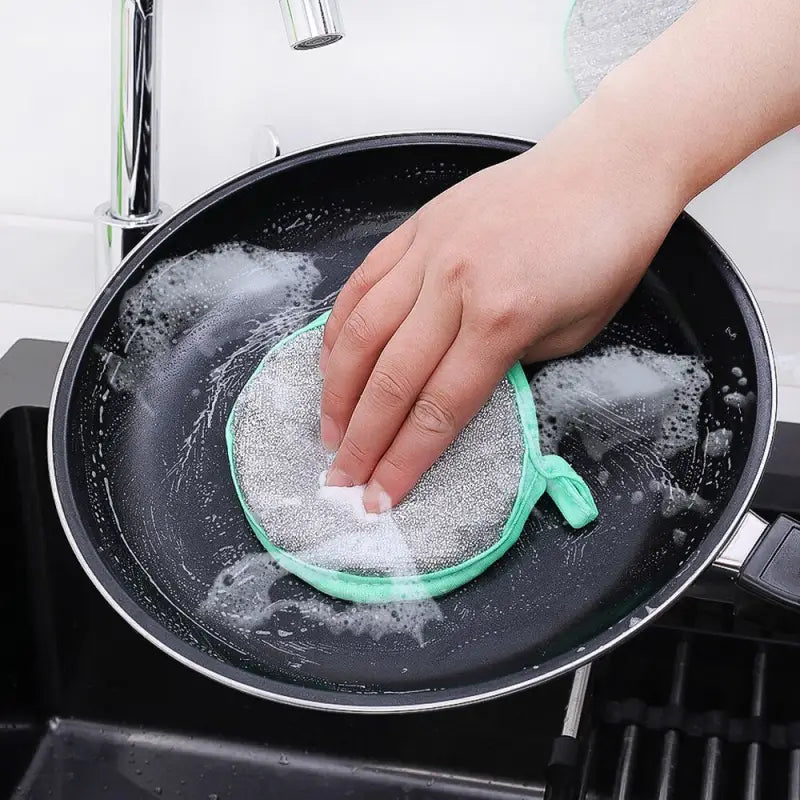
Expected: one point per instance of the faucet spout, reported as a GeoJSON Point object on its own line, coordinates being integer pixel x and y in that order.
{"type": "Point", "coordinates": [312, 23]}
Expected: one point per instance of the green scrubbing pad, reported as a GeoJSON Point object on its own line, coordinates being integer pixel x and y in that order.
{"type": "Point", "coordinates": [463, 515]}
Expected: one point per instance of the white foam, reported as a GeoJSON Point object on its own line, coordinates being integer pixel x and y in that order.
{"type": "Point", "coordinates": [375, 621]}
{"type": "Point", "coordinates": [621, 395]}
{"type": "Point", "coordinates": [241, 596]}
{"type": "Point", "coordinates": [240, 593]}
{"type": "Point", "coordinates": [718, 443]}
{"type": "Point", "coordinates": [181, 294]}
{"type": "Point", "coordinates": [739, 400]}
{"type": "Point", "coordinates": [350, 498]}
{"type": "Point", "coordinates": [375, 537]}
{"type": "Point", "coordinates": [675, 500]}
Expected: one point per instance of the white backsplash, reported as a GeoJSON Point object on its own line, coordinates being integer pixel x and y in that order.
{"type": "Point", "coordinates": [227, 72]}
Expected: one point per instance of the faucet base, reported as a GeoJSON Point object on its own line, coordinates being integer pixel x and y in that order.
{"type": "Point", "coordinates": [115, 238]}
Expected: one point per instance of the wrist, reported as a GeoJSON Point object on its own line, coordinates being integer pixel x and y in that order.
{"type": "Point", "coordinates": [643, 140]}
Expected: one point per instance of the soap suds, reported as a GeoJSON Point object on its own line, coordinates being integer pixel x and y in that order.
{"type": "Point", "coordinates": [621, 395]}
{"type": "Point", "coordinates": [626, 397]}
{"type": "Point", "coordinates": [377, 537]}
{"type": "Point", "coordinates": [242, 596]}
{"type": "Point", "coordinates": [739, 400]}
{"type": "Point", "coordinates": [718, 443]}
{"type": "Point", "coordinates": [183, 293]}
{"type": "Point", "coordinates": [349, 498]}
{"type": "Point", "coordinates": [675, 500]}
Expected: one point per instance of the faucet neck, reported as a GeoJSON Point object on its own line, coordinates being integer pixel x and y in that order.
{"type": "Point", "coordinates": [134, 107]}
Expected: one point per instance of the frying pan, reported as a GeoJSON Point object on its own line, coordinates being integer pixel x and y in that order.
{"type": "Point", "coordinates": [140, 476]}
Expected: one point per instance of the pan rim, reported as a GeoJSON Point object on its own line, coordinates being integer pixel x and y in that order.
{"type": "Point", "coordinates": [383, 702]}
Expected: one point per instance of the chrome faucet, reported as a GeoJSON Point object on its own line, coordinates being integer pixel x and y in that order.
{"type": "Point", "coordinates": [134, 209]}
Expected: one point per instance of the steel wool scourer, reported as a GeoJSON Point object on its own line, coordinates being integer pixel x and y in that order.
{"type": "Point", "coordinates": [462, 516]}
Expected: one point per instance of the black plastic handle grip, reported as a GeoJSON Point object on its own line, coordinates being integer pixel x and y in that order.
{"type": "Point", "coordinates": [772, 570]}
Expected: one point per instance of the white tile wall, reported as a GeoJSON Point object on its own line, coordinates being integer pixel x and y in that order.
{"type": "Point", "coordinates": [227, 72]}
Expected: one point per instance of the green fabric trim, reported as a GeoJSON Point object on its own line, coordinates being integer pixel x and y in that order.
{"type": "Point", "coordinates": [539, 474]}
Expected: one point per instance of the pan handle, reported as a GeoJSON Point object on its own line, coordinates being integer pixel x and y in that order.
{"type": "Point", "coordinates": [765, 559]}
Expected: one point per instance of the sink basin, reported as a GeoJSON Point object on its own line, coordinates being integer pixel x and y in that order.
{"type": "Point", "coordinates": [88, 708]}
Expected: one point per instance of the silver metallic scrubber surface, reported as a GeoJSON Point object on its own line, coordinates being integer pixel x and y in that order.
{"type": "Point", "coordinates": [465, 512]}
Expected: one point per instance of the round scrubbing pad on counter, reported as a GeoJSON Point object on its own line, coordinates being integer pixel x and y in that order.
{"type": "Point", "coordinates": [463, 515]}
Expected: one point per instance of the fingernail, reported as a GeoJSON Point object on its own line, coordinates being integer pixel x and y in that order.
{"type": "Point", "coordinates": [337, 477]}
{"type": "Point", "coordinates": [330, 434]}
{"type": "Point", "coordinates": [323, 360]}
{"type": "Point", "coordinates": [376, 500]}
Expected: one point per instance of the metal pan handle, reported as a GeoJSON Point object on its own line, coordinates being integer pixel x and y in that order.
{"type": "Point", "coordinates": [765, 559]}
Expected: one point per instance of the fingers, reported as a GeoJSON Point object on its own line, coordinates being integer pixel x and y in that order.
{"type": "Point", "coordinates": [458, 388]}
{"type": "Point", "coordinates": [362, 337]}
{"type": "Point", "coordinates": [380, 260]}
{"type": "Point", "coordinates": [401, 372]}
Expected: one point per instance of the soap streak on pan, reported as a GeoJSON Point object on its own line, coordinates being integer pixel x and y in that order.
{"type": "Point", "coordinates": [632, 411]}
{"type": "Point", "coordinates": [226, 378]}
{"type": "Point", "coordinates": [179, 306]}
{"type": "Point", "coordinates": [242, 595]}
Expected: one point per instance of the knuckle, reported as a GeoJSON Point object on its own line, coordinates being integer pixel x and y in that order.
{"type": "Point", "coordinates": [455, 270]}
{"type": "Point", "coordinates": [432, 416]}
{"type": "Point", "coordinates": [358, 330]}
{"type": "Point", "coordinates": [328, 332]}
{"type": "Point", "coordinates": [353, 451]}
{"type": "Point", "coordinates": [496, 318]}
{"type": "Point", "coordinates": [389, 388]}
{"type": "Point", "coordinates": [359, 280]}
{"type": "Point", "coordinates": [334, 321]}
{"type": "Point", "coordinates": [395, 466]}
{"type": "Point", "coordinates": [332, 399]}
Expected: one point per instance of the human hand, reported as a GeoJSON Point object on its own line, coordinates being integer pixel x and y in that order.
{"type": "Point", "coordinates": [526, 260]}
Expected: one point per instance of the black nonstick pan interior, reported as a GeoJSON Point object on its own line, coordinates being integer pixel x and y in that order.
{"type": "Point", "coordinates": [139, 459]}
